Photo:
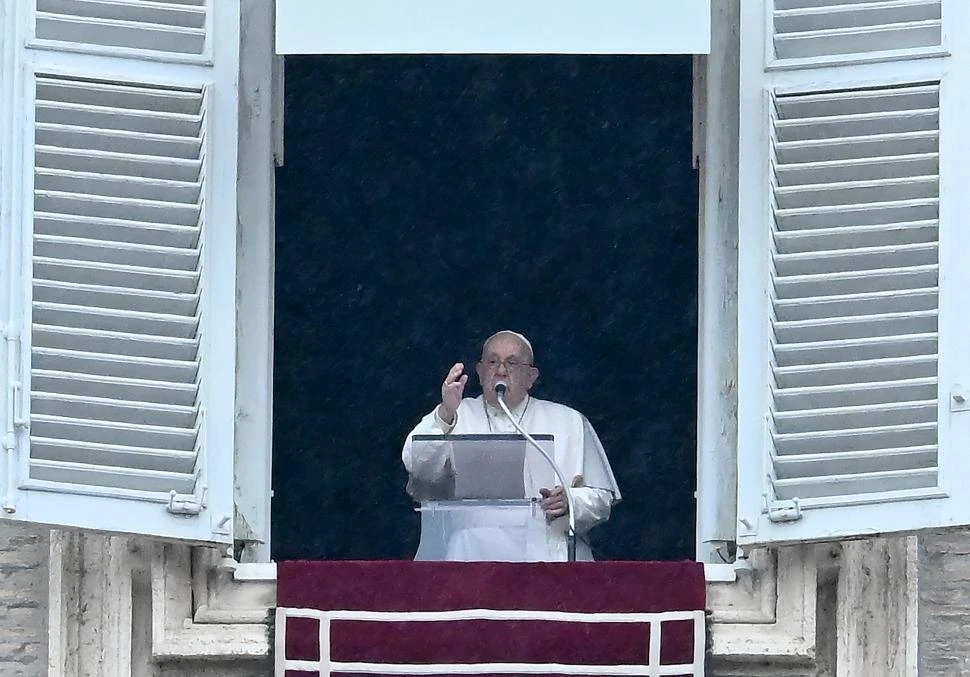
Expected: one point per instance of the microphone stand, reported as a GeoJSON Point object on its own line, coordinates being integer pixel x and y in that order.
{"type": "Point", "coordinates": [567, 489]}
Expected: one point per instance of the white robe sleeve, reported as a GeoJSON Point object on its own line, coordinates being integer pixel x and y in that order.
{"type": "Point", "coordinates": [592, 507]}
{"type": "Point", "coordinates": [428, 461]}
{"type": "Point", "coordinates": [593, 501]}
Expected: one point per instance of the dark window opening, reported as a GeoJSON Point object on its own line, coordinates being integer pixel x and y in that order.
{"type": "Point", "coordinates": [427, 202]}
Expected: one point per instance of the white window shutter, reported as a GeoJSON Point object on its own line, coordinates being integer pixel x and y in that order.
{"type": "Point", "coordinates": [121, 359]}
{"type": "Point", "coordinates": [853, 286]}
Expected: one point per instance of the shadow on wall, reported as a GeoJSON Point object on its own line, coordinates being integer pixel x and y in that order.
{"type": "Point", "coordinates": [429, 201]}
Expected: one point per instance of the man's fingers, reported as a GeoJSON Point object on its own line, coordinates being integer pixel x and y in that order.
{"type": "Point", "coordinates": [454, 373]}
{"type": "Point", "coordinates": [554, 513]}
{"type": "Point", "coordinates": [553, 503]}
{"type": "Point", "coordinates": [457, 386]}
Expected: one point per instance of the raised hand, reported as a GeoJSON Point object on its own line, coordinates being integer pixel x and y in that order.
{"type": "Point", "coordinates": [452, 391]}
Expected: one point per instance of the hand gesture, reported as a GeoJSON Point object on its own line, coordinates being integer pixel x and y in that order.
{"type": "Point", "coordinates": [554, 502]}
{"type": "Point", "coordinates": [452, 391]}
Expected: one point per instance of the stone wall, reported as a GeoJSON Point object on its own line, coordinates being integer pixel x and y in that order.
{"type": "Point", "coordinates": [944, 604]}
{"type": "Point", "coordinates": [23, 601]}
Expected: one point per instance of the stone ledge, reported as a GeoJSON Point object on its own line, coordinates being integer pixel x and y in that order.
{"type": "Point", "coordinates": [189, 605]}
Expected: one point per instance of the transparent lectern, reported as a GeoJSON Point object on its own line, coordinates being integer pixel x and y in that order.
{"type": "Point", "coordinates": [478, 496]}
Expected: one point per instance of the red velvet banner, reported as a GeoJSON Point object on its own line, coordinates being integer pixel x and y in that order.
{"type": "Point", "coordinates": [627, 587]}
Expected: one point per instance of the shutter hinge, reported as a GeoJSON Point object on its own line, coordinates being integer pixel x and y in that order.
{"type": "Point", "coordinates": [959, 399]}
{"type": "Point", "coordinates": [14, 418]}
{"type": "Point", "coordinates": [187, 504]}
{"type": "Point", "coordinates": [17, 418]}
{"type": "Point", "coordinates": [783, 511]}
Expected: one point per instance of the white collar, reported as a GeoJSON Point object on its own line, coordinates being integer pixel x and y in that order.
{"type": "Point", "coordinates": [518, 411]}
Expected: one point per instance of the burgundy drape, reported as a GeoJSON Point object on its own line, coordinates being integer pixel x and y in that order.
{"type": "Point", "coordinates": [438, 586]}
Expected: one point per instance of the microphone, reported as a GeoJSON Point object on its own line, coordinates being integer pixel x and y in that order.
{"type": "Point", "coordinates": [500, 388]}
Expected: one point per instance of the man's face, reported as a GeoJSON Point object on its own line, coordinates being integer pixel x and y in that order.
{"type": "Point", "coordinates": [506, 358]}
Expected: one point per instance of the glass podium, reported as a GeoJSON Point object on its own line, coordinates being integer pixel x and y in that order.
{"type": "Point", "coordinates": [478, 496]}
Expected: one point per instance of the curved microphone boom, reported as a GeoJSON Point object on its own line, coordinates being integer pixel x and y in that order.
{"type": "Point", "coordinates": [500, 389]}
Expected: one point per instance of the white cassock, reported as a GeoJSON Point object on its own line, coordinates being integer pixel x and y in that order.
{"type": "Point", "coordinates": [497, 534]}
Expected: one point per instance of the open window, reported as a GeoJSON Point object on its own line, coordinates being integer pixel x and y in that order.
{"type": "Point", "coordinates": [118, 238]}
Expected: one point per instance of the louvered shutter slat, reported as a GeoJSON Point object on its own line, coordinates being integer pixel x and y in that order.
{"type": "Point", "coordinates": [176, 28]}
{"type": "Point", "coordinates": [855, 327]}
{"type": "Point", "coordinates": [122, 141]}
{"type": "Point", "coordinates": [115, 230]}
{"type": "Point", "coordinates": [832, 14]}
{"type": "Point", "coordinates": [851, 350]}
{"type": "Point", "coordinates": [105, 409]}
{"type": "Point", "coordinates": [188, 14]}
{"type": "Point", "coordinates": [862, 169]}
{"type": "Point", "coordinates": [161, 302]}
{"type": "Point", "coordinates": [855, 394]}
{"type": "Point", "coordinates": [839, 193]}
{"type": "Point", "coordinates": [110, 251]}
{"type": "Point", "coordinates": [62, 472]}
{"type": "Point", "coordinates": [116, 275]}
{"type": "Point", "coordinates": [93, 162]}
{"type": "Point", "coordinates": [827, 261]}
{"type": "Point", "coordinates": [855, 148]}
{"type": "Point", "coordinates": [853, 305]}
{"type": "Point", "coordinates": [98, 93]}
{"type": "Point", "coordinates": [853, 372]}
{"type": "Point", "coordinates": [116, 207]}
{"type": "Point", "coordinates": [139, 188]}
{"type": "Point", "coordinates": [813, 29]}
{"type": "Point", "coordinates": [882, 213]}
{"type": "Point", "coordinates": [859, 40]}
{"type": "Point", "coordinates": [69, 429]}
{"type": "Point", "coordinates": [838, 418]}
{"type": "Point", "coordinates": [89, 453]}
{"type": "Point", "coordinates": [109, 118]}
{"type": "Point", "coordinates": [860, 484]}
{"type": "Point", "coordinates": [114, 320]}
{"type": "Point", "coordinates": [872, 438]}
{"type": "Point", "coordinates": [114, 33]}
{"type": "Point", "coordinates": [857, 281]}
{"type": "Point", "coordinates": [119, 343]}
{"type": "Point", "coordinates": [855, 462]}
{"type": "Point", "coordinates": [100, 385]}
{"type": "Point", "coordinates": [83, 363]}
{"type": "Point", "coordinates": [855, 237]}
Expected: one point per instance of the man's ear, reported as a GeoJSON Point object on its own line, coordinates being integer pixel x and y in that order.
{"type": "Point", "coordinates": [534, 374]}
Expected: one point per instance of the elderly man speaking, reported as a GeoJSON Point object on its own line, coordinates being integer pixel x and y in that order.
{"type": "Point", "coordinates": [494, 534]}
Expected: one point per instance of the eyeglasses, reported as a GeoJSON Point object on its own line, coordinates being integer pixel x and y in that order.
{"type": "Point", "coordinates": [511, 363]}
